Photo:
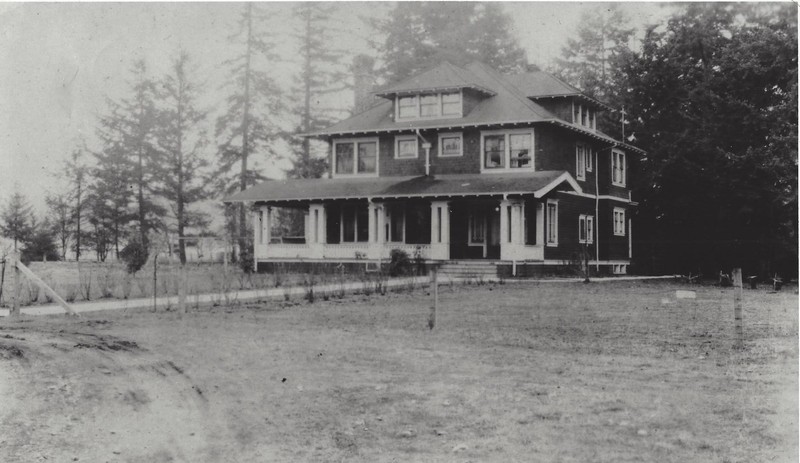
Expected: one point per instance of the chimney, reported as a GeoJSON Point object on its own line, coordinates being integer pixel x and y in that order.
{"type": "Point", "coordinates": [363, 82]}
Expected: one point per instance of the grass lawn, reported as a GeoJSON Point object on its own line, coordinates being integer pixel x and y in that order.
{"type": "Point", "coordinates": [605, 372]}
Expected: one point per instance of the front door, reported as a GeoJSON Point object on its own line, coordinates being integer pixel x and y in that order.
{"type": "Point", "coordinates": [474, 231]}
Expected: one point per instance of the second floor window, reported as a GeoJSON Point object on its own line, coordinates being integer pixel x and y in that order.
{"type": "Point", "coordinates": [352, 157]}
{"type": "Point", "coordinates": [618, 168]}
{"type": "Point", "coordinates": [584, 115]}
{"type": "Point", "coordinates": [510, 150]}
{"type": "Point", "coordinates": [429, 106]}
{"type": "Point", "coordinates": [406, 147]}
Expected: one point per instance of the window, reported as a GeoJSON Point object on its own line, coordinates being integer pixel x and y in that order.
{"type": "Point", "coordinates": [353, 157]}
{"type": "Point", "coordinates": [552, 222]}
{"type": "Point", "coordinates": [260, 227]}
{"type": "Point", "coordinates": [477, 228]}
{"type": "Point", "coordinates": [450, 144]}
{"type": "Point", "coordinates": [581, 153]}
{"type": "Point", "coordinates": [355, 224]}
{"type": "Point", "coordinates": [619, 221]}
{"type": "Point", "coordinates": [406, 147]}
{"type": "Point", "coordinates": [407, 107]}
{"type": "Point", "coordinates": [618, 168]}
{"type": "Point", "coordinates": [429, 106]}
{"type": "Point", "coordinates": [586, 229]}
{"type": "Point", "coordinates": [507, 150]}
{"type": "Point", "coordinates": [584, 116]}
{"type": "Point", "coordinates": [451, 104]}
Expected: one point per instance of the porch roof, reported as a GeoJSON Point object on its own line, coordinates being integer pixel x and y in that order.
{"type": "Point", "coordinates": [488, 184]}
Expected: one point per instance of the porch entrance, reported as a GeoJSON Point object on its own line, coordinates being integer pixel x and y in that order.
{"type": "Point", "coordinates": [475, 230]}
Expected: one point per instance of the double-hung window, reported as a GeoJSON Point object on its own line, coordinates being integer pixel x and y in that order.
{"type": "Point", "coordinates": [354, 157]}
{"type": "Point", "coordinates": [618, 168]}
{"type": "Point", "coordinates": [581, 156]}
{"type": "Point", "coordinates": [406, 147]}
{"type": "Point", "coordinates": [586, 229]}
{"type": "Point", "coordinates": [552, 222]}
{"type": "Point", "coordinates": [430, 106]}
{"type": "Point", "coordinates": [507, 150]}
{"type": "Point", "coordinates": [619, 221]}
{"type": "Point", "coordinates": [407, 107]}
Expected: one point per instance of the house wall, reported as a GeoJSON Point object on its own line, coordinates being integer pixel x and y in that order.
{"type": "Point", "coordinates": [612, 247]}
{"type": "Point", "coordinates": [560, 107]}
{"type": "Point", "coordinates": [570, 207]}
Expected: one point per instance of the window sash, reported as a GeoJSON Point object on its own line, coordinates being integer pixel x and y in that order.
{"type": "Point", "coordinates": [618, 168]}
{"type": "Point", "coordinates": [619, 222]}
{"type": "Point", "coordinates": [451, 104]}
{"type": "Point", "coordinates": [407, 107]}
{"type": "Point", "coordinates": [519, 149]}
{"type": "Point", "coordinates": [580, 162]}
{"type": "Point", "coordinates": [429, 105]}
{"type": "Point", "coordinates": [552, 223]}
{"type": "Point", "coordinates": [367, 157]}
{"type": "Point", "coordinates": [344, 157]}
{"type": "Point", "coordinates": [586, 229]}
{"type": "Point", "coordinates": [450, 145]}
{"type": "Point", "coordinates": [407, 148]}
{"type": "Point", "coordinates": [494, 151]}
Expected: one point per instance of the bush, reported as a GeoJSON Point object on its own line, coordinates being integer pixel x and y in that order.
{"type": "Point", "coordinates": [134, 254]}
{"type": "Point", "coordinates": [400, 264]}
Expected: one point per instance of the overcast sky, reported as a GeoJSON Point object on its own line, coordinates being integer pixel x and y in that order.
{"type": "Point", "coordinates": [59, 61]}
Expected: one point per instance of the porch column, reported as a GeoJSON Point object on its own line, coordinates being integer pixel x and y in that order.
{"type": "Point", "coordinates": [315, 230]}
{"type": "Point", "coordinates": [540, 224]}
{"type": "Point", "coordinates": [511, 230]}
{"type": "Point", "coordinates": [440, 230]}
{"type": "Point", "coordinates": [375, 216]}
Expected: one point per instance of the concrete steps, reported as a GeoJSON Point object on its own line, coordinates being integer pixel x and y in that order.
{"type": "Point", "coordinates": [469, 269]}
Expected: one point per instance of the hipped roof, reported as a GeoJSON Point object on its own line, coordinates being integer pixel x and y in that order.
{"type": "Point", "coordinates": [537, 184]}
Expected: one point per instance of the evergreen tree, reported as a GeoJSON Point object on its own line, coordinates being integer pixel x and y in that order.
{"type": "Point", "coordinates": [112, 193]}
{"type": "Point", "coordinates": [62, 223]}
{"type": "Point", "coordinates": [77, 173]}
{"type": "Point", "coordinates": [16, 220]}
{"type": "Point", "coordinates": [41, 244]}
{"type": "Point", "coordinates": [590, 61]}
{"type": "Point", "coordinates": [420, 35]}
{"type": "Point", "coordinates": [714, 101]}
{"type": "Point", "coordinates": [321, 74]}
{"type": "Point", "coordinates": [181, 139]}
{"type": "Point", "coordinates": [127, 133]}
{"type": "Point", "coordinates": [250, 124]}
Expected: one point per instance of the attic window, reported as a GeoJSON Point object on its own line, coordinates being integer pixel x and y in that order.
{"type": "Point", "coordinates": [429, 106]}
{"type": "Point", "coordinates": [584, 116]}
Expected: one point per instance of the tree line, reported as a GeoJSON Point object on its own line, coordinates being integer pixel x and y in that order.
{"type": "Point", "coordinates": [711, 95]}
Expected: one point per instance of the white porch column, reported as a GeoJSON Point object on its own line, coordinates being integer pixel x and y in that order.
{"type": "Point", "coordinates": [440, 230]}
{"type": "Point", "coordinates": [511, 235]}
{"type": "Point", "coordinates": [376, 216]}
{"type": "Point", "coordinates": [315, 230]}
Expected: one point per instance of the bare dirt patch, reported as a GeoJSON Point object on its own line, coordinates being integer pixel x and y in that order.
{"type": "Point", "coordinates": [524, 372]}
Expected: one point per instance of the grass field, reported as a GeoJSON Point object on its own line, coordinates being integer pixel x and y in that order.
{"type": "Point", "coordinates": [604, 372]}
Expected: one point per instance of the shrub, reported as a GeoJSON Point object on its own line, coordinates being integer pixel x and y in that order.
{"type": "Point", "coordinates": [399, 264]}
{"type": "Point", "coordinates": [134, 254]}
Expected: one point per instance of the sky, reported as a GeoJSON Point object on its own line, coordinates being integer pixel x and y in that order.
{"type": "Point", "coordinates": [59, 62]}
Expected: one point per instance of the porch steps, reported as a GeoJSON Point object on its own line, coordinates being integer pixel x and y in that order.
{"type": "Point", "coordinates": [469, 269]}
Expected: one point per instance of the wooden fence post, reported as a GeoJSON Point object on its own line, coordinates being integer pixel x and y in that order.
{"type": "Point", "coordinates": [14, 284]}
{"type": "Point", "coordinates": [182, 290]}
{"type": "Point", "coordinates": [435, 284]}
{"type": "Point", "coordinates": [737, 306]}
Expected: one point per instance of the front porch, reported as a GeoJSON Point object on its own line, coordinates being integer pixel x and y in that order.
{"type": "Point", "coordinates": [438, 229]}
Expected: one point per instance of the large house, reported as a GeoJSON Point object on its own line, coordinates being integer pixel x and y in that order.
{"type": "Point", "coordinates": [460, 164]}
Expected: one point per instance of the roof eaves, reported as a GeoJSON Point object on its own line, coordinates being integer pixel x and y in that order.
{"type": "Point", "coordinates": [596, 135]}
{"type": "Point", "coordinates": [577, 95]}
{"type": "Point", "coordinates": [478, 88]}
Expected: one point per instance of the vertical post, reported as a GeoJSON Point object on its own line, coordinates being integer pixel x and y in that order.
{"type": "Point", "coordinates": [15, 285]}
{"type": "Point", "coordinates": [155, 280]}
{"type": "Point", "coordinates": [182, 290]}
{"type": "Point", "coordinates": [435, 284]}
{"type": "Point", "coordinates": [737, 305]}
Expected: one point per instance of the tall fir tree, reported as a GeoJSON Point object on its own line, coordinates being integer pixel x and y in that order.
{"type": "Point", "coordinates": [250, 126]}
{"type": "Point", "coordinates": [128, 131]}
{"type": "Point", "coordinates": [322, 73]}
{"type": "Point", "coordinates": [420, 35]}
{"type": "Point", "coordinates": [60, 210]}
{"type": "Point", "coordinates": [77, 173]}
{"type": "Point", "coordinates": [112, 192]}
{"type": "Point", "coordinates": [181, 140]}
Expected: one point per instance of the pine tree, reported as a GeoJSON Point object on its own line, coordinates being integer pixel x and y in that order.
{"type": "Point", "coordinates": [77, 173]}
{"type": "Point", "coordinates": [112, 193]}
{"type": "Point", "coordinates": [62, 225]}
{"type": "Point", "coordinates": [16, 220]}
{"type": "Point", "coordinates": [421, 35]}
{"type": "Point", "coordinates": [127, 132]}
{"type": "Point", "coordinates": [40, 244]}
{"type": "Point", "coordinates": [250, 125]}
{"type": "Point", "coordinates": [181, 140]}
{"type": "Point", "coordinates": [321, 74]}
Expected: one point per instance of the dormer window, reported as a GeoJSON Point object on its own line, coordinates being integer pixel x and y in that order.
{"type": "Point", "coordinates": [429, 106]}
{"type": "Point", "coordinates": [584, 116]}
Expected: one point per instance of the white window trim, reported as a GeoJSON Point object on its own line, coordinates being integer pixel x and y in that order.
{"type": "Point", "coordinates": [507, 155]}
{"type": "Point", "coordinates": [617, 231]}
{"type": "Point", "coordinates": [400, 138]}
{"type": "Point", "coordinates": [580, 164]}
{"type": "Point", "coordinates": [548, 220]}
{"type": "Point", "coordinates": [589, 155]}
{"type": "Point", "coordinates": [624, 170]}
{"type": "Point", "coordinates": [440, 103]}
{"type": "Point", "coordinates": [583, 225]}
{"type": "Point", "coordinates": [439, 148]}
{"type": "Point", "coordinates": [355, 142]}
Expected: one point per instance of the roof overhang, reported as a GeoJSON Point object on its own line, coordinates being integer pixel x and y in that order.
{"type": "Point", "coordinates": [575, 95]}
{"type": "Point", "coordinates": [415, 91]}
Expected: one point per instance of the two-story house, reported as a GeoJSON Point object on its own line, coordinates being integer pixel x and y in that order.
{"type": "Point", "coordinates": [462, 163]}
